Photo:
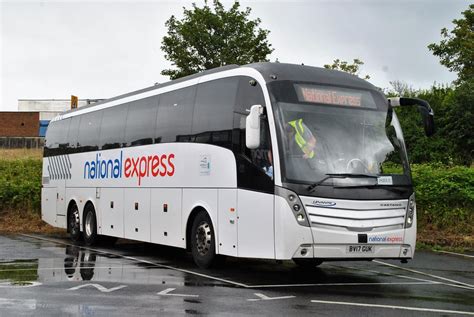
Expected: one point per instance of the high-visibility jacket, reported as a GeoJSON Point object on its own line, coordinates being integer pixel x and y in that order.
{"type": "Point", "coordinates": [300, 137]}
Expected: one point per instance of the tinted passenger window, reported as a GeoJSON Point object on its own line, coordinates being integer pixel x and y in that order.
{"type": "Point", "coordinates": [72, 134]}
{"type": "Point", "coordinates": [249, 94]}
{"type": "Point", "coordinates": [141, 121]}
{"type": "Point", "coordinates": [175, 115]}
{"type": "Point", "coordinates": [56, 137]}
{"type": "Point", "coordinates": [213, 111]}
{"type": "Point", "coordinates": [89, 130]}
{"type": "Point", "coordinates": [112, 130]}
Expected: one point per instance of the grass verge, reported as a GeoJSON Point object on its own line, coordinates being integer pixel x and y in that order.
{"type": "Point", "coordinates": [14, 222]}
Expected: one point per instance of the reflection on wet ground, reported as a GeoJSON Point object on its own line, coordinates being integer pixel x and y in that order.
{"type": "Point", "coordinates": [143, 279]}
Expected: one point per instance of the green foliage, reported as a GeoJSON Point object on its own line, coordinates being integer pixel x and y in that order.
{"type": "Point", "coordinates": [344, 66]}
{"type": "Point", "coordinates": [454, 116]}
{"type": "Point", "coordinates": [456, 49]}
{"type": "Point", "coordinates": [445, 196]}
{"type": "Point", "coordinates": [207, 38]}
{"type": "Point", "coordinates": [20, 185]}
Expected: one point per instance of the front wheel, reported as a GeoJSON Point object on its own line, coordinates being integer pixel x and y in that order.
{"type": "Point", "coordinates": [90, 225]}
{"type": "Point", "coordinates": [203, 245]}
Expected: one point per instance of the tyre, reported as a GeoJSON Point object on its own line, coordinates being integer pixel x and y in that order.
{"type": "Point", "coordinates": [307, 263]}
{"type": "Point", "coordinates": [89, 225]}
{"type": "Point", "coordinates": [74, 224]}
{"type": "Point", "coordinates": [203, 243]}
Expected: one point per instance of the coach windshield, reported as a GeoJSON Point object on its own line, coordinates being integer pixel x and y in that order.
{"type": "Point", "coordinates": [340, 137]}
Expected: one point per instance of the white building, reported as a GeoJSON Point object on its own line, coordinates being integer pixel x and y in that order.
{"type": "Point", "coordinates": [49, 108]}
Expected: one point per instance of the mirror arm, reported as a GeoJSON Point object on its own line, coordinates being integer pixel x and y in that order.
{"type": "Point", "coordinates": [403, 101]}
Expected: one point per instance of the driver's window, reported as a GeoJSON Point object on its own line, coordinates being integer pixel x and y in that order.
{"type": "Point", "coordinates": [254, 167]}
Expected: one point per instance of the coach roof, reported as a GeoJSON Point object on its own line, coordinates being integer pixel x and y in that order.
{"type": "Point", "coordinates": [270, 72]}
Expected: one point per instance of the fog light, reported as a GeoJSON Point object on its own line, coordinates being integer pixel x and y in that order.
{"type": "Point", "coordinates": [405, 251]}
{"type": "Point", "coordinates": [296, 207]}
{"type": "Point", "coordinates": [304, 252]}
{"type": "Point", "coordinates": [291, 197]}
{"type": "Point", "coordinates": [300, 217]}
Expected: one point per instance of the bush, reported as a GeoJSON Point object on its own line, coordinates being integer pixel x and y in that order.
{"type": "Point", "coordinates": [445, 196]}
{"type": "Point", "coordinates": [20, 185]}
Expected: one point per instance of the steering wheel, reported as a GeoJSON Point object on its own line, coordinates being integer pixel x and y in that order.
{"type": "Point", "coordinates": [352, 165]}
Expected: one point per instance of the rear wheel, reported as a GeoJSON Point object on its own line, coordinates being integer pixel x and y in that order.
{"type": "Point", "coordinates": [307, 263]}
{"type": "Point", "coordinates": [90, 225]}
{"type": "Point", "coordinates": [74, 225]}
{"type": "Point", "coordinates": [203, 245]}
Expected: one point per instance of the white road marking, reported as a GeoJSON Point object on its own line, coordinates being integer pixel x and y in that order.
{"type": "Point", "coordinates": [345, 284]}
{"type": "Point", "coordinates": [265, 297]}
{"type": "Point", "coordinates": [469, 286]}
{"type": "Point", "coordinates": [167, 292]}
{"type": "Point", "coordinates": [18, 284]}
{"type": "Point", "coordinates": [407, 277]}
{"type": "Point", "coordinates": [454, 253]}
{"type": "Point", "coordinates": [99, 287]}
{"type": "Point", "coordinates": [395, 307]}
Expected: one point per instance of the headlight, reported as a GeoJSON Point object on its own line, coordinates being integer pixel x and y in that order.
{"type": "Point", "coordinates": [295, 205]}
{"type": "Point", "coordinates": [411, 209]}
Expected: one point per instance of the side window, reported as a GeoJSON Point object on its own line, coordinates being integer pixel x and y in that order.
{"type": "Point", "coordinates": [141, 120]}
{"type": "Point", "coordinates": [56, 137]}
{"type": "Point", "coordinates": [254, 167]}
{"type": "Point", "coordinates": [213, 111]}
{"type": "Point", "coordinates": [89, 130]}
{"type": "Point", "coordinates": [249, 94]}
{"type": "Point", "coordinates": [175, 115]}
{"type": "Point", "coordinates": [111, 130]}
{"type": "Point", "coordinates": [72, 134]}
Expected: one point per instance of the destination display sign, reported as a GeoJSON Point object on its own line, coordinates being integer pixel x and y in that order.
{"type": "Point", "coordinates": [334, 96]}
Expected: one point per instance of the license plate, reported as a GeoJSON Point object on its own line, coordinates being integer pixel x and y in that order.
{"type": "Point", "coordinates": [360, 249]}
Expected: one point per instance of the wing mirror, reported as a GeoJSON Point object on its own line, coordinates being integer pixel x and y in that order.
{"type": "Point", "coordinates": [424, 108]}
{"type": "Point", "coordinates": [252, 127]}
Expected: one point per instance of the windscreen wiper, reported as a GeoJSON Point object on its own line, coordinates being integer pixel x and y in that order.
{"type": "Point", "coordinates": [395, 189]}
{"type": "Point", "coordinates": [337, 175]}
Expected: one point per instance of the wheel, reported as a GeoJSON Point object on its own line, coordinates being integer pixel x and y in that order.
{"type": "Point", "coordinates": [203, 245]}
{"type": "Point", "coordinates": [90, 225]}
{"type": "Point", "coordinates": [74, 225]}
{"type": "Point", "coordinates": [307, 263]}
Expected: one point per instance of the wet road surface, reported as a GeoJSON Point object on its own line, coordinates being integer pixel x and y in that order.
{"type": "Point", "coordinates": [51, 277]}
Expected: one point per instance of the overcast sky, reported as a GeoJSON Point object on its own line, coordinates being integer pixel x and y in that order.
{"type": "Point", "coordinates": [102, 49]}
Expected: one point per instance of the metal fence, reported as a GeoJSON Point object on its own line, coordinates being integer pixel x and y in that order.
{"type": "Point", "coordinates": [21, 143]}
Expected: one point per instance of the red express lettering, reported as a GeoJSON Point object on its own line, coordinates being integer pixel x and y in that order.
{"type": "Point", "coordinates": [149, 166]}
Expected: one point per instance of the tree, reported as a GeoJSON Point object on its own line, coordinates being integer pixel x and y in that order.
{"type": "Point", "coordinates": [346, 67]}
{"type": "Point", "coordinates": [456, 49]}
{"type": "Point", "coordinates": [207, 38]}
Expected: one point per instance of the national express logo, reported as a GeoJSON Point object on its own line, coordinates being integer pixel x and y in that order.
{"type": "Point", "coordinates": [130, 167]}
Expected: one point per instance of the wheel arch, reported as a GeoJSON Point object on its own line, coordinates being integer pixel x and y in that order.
{"type": "Point", "coordinates": [71, 203]}
{"type": "Point", "coordinates": [189, 224]}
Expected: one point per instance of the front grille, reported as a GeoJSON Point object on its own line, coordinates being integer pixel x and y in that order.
{"type": "Point", "coordinates": [356, 220]}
